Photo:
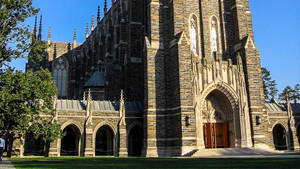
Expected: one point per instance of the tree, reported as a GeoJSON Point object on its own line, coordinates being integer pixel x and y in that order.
{"type": "Point", "coordinates": [269, 86]}
{"type": "Point", "coordinates": [296, 93]}
{"type": "Point", "coordinates": [14, 37]}
{"type": "Point", "coordinates": [286, 94]}
{"type": "Point", "coordinates": [273, 91]}
{"type": "Point", "coordinates": [23, 98]}
{"type": "Point", "coordinates": [37, 54]}
{"type": "Point", "coordinates": [266, 77]}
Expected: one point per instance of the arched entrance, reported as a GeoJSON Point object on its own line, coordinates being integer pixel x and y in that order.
{"type": "Point", "coordinates": [104, 141]}
{"type": "Point", "coordinates": [135, 141]}
{"type": "Point", "coordinates": [218, 121]}
{"type": "Point", "coordinates": [298, 133]}
{"type": "Point", "coordinates": [33, 146]}
{"type": "Point", "coordinates": [279, 137]}
{"type": "Point", "coordinates": [70, 142]}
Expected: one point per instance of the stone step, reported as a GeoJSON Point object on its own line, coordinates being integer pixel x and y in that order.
{"type": "Point", "coordinates": [232, 152]}
{"type": "Point", "coordinates": [6, 164]}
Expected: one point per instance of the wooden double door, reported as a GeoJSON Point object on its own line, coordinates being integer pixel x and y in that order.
{"type": "Point", "coordinates": [216, 135]}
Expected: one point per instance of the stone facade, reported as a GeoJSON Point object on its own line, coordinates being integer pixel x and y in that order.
{"type": "Point", "coordinates": [193, 64]}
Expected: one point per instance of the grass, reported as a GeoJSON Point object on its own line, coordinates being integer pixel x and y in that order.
{"type": "Point", "coordinates": [152, 163]}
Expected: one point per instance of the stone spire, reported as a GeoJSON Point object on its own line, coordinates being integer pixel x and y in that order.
{"type": "Point", "coordinates": [122, 108]}
{"type": "Point", "coordinates": [105, 6]}
{"type": "Point", "coordinates": [40, 28]}
{"type": "Point", "coordinates": [89, 101]}
{"type": "Point", "coordinates": [98, 14]}
{"type": "Point", "coordinates": [74, 39]}
{"type": "Point", "coordinates": [49, 35]}
{"type": "Point", "coordinates": [87, 30]}
{"type": "Point", "coordinates": [35, 28]}
{"type": "Point", "coordinates": [92, 25]}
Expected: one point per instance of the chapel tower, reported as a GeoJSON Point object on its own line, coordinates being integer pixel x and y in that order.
{"type": "Point", "coordinates": [203, 86]}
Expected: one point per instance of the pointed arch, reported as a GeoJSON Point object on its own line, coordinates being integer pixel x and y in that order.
{"type": "Point", "coordinates": [135, 139]}
{"type": "Point", "coordinates": [33, 146]}
{"type": "Point", "coordinates": [224, 102]}
{"type": "Point", "coordinates": [104, 139]}
{"type": "Point", "coordinates": [70, 144]}
{"type": "Point", "coordinates": [280, 137]}
{"type": "Point", "coordinates": [298, 131]}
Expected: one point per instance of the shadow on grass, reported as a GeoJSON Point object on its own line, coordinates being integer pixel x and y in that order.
{"type": "Point", "coordinates": [152, 163]}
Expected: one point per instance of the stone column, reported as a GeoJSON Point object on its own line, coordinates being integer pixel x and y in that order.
{"type": "Point", "coordinates": [256, 100]}
{"type": "Point", "coordinates": [252, 68]}
{"type": "Point", "coordinates": [88, 129]}
{"type": "Point", "coordinates": [186, 96]}
{"type": "Point", "coordinates": [154, 75]}
{"type": "Point", "coordinates": [122, 128]}
{"type": "Point", "coordinates": [54, 150]}
{"type": "Point", "coordinates": [89, 148]}
{"type": "Point", "coordinates": [123, 152]}
{"type": "Point", "coordinates": [18, 147]}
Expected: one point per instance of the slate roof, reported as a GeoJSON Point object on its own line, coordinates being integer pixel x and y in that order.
{"type": "Point", "coordinates": [96, 80]}
{"type": "Point", "coordinates": [295, 107]}
{"type": "Point", "coordinates": [274, 107]}
{"type": "Point", "coordinates": [103, 106]}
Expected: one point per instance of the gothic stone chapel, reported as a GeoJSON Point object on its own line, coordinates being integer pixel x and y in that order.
{"type": "Point", "coordinates": [162, 78]}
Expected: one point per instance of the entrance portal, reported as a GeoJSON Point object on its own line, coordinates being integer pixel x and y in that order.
{"type": "Point", "coordinates": [216, 135]}
{"type": "Point", "coordinates": [218, 121]}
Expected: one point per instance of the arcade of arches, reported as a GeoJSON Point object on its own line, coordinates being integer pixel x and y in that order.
{"type": "Point", "coordinates": [70, 144]}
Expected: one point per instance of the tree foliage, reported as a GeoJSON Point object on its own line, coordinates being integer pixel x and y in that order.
{"type": "Point", "coordinates": [296, 93]}
{"type": "Point", "coordinates": [14, 36]}
{"type": "Point", "coordinates": [286, 94]}
{"type": "Point", "coordinates": [37, 51]}
{"type": "Point", "coordinates": [26, 99]}
{"type": "Point", "coordinates": [290, 93]}
{"type": "Point", "coordinates": [269, 86]}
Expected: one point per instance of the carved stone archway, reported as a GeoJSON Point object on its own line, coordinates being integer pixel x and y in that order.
{"type": "Point", "coordinates": [226, 93]}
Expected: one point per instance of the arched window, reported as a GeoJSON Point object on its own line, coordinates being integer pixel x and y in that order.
{"type": "Point", "coordinates": [60, 77]}
{"type": "Point", "coordinates": [194, 35]}
{"type": "Point", "coordinates": [214, 34]}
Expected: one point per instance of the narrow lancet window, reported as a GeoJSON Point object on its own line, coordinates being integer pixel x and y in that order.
{"type": "Point", "coordinates": [214, 34]}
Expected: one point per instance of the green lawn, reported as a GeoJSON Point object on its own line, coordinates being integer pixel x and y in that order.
{"type": "Point", "coordinates": [155, 163]}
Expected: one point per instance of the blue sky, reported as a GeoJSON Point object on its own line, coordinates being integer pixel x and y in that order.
{"type": "Point", "coordinates": [276, 30]}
